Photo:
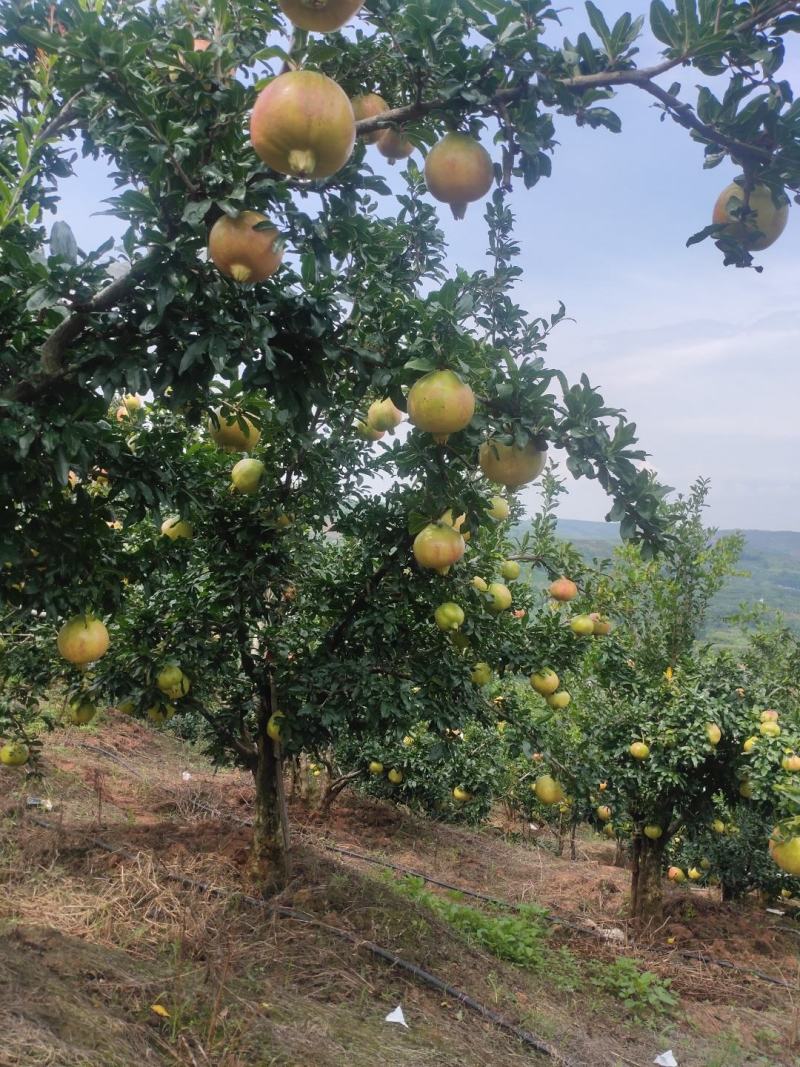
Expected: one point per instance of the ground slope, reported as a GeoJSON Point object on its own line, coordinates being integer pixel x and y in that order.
{"type": "Point", "coordinates": [107, 962]}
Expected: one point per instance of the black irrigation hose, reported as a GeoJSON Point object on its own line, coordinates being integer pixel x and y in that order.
{"type": "Point", "coordinates": [523, 1035]}
{"type": "Point", "coordinates": [699, 956]}
{"type": "Point", "coordinates": [554, 918]}
{"type": "Point", "coordinates": [513, 906]}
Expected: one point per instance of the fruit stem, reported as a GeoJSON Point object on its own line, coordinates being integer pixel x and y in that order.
{"type": "Point", "coordinates": [301, 162]}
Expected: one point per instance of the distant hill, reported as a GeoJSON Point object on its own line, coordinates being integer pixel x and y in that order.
{"type": "Point", "coordinates": [771, 558]}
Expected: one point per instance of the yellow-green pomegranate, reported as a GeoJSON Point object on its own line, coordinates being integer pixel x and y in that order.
{"type": "Point", "coordinates": [458, 171]}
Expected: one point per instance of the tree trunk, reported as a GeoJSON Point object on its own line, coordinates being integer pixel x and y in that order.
{"type": "Point", "coordinates": [728, 892]}
{"type": "Point", "coordinates": [269, 858]}
{"type": "Point", "coordinates": [573, 852]}
{"type": "Point", "coordinates": [646, 894]}
{"type": "Point", "coordinates": [559, 849]}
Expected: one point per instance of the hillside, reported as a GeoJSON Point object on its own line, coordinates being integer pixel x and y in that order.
{"type": "Point", "coordinates": [115, 950]}
{"type": "Point", "coordinates": [770, 558]}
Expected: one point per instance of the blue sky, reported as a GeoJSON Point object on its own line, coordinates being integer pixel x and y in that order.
{"type": "Point", "coordinates": [703, 358]}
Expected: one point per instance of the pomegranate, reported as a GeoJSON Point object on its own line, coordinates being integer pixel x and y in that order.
{"type": "Point", "coordinates": [176, 528]}
{"type": "Point", "coordinates": [440, 403]}
{"type": "Point", "coordinates": [438, 546]}
{"type": "Point", "coordinates": [510, 465]}
{"type": "Point", "coordinates": [242, 252]}
{"type": "Point", "coordinates": [383, 415]}
{"type": "Point", "coordinates": [367, 106]}
{"type": "Point", "coordinates": [499, 509]}
{"type": "Point", "coordinates": [458, 170]}
{"type": "Point", "coordinates": [785, 851]}
{"type": "Point", "coordinates": [200, 44]}
{"type": "Point", "coordinates": [82, 639]}
{"type": "Point", "coordinates": [363, 429]}
{"type": "Point", "coordinates": [302, 124]}
{"type": "Point", "coordinates": [545, 681]}
{"type": "Point", "coordinates": [321, 16]}
{"type": "Point", "coordinates": [80, 711]}
{"type": "Point", "coordinates": [500, 597]}
{"type": "Point", "coordinates": [14, 754]}
{"type": "Point", "coordinates": [602, 624]}
{"type": "Point", "coordinates": [563, 589]}
{"type": "Point", "coordinates": [160, 713]}
{"type": "Point", "coordinates": [755, 233]}
{"type": "Point", "coordinates": [229, 435]}
{"type": "Point", "coordinates": [548, 790]}
{"type": "Point", "coordinates": [246, 475]}
{"type": "Point", "coordinates": [394, 145]}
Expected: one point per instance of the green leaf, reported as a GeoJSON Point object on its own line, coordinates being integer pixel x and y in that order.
{"type": "Point", "coordinates": [664, 24]}
{"type": "Point", "coordinates": [600, 26]}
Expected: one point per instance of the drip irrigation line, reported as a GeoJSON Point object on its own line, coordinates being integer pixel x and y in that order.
{"type": "Point", "coordinates": [701, 956]}
{"type": "Point", "coordinates": [510, 905]}
{"type": "Point", "coordinates": [514, 906]}
{"type": "Point", "coordinates": [527, 1037]}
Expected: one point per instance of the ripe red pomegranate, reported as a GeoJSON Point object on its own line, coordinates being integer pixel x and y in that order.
{"type": "Point", "coordinates": [321, 16]}
{"type": "Point", "coordinates": [302, 124]}
{"type": "Point", "coordinates": [458, 170]}
{"type": "Point", "coordinates": [563, 589]}
{"type": "Point", "coordinates": [242, 252]}
{"type": "Point", "coordinates": [394, 145]}
{"type": "Point", "coordinates": [367, 106]}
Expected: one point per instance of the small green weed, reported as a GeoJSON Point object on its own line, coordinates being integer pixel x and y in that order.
{"type": "Point", "coordinates": [643, 993]}
{"type": "Point", "coordinates": [521, 938]}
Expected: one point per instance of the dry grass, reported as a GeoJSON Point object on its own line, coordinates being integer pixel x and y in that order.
{"type": "Point", "coordinates": [91, 941]}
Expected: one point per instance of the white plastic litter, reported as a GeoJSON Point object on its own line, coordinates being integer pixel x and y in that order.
{"type": "Point", "coordinates": [774, 911]}
{"type": "Point", "coordinates": [186, 776]}
{"type": "Point", "coordinates": [397, 1016]}
{"type": "Point", "coordinates": [666, 1059]}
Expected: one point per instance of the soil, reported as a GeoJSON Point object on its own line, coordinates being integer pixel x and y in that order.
{"type": "Point", "coordinates": [68, 909]}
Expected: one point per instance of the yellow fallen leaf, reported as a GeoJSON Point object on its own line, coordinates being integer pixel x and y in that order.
{"type": "Point", "coordinates": [159, 1009]}
{"type": "Point", "coordinates": [670, 940]}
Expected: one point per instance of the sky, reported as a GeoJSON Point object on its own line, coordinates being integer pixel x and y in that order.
{"type": "Point", "coordinates": [703, 358]}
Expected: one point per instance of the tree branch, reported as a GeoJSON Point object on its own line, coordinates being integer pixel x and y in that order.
{"type": "Point", "coordinates": [410, 112]}
{"type": "Point", "coordinates": [62, 338]}
{"type": "Point", "coordinates": [643, 78]}
{"type": "Point", "coordinates": [684, 114]}
{"type": "Point", "coordinates": [336, 632]}
{"type": "Point", "coordinates": [63, 119]}
{"type": "Point", "coordinates": [247, 753]}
